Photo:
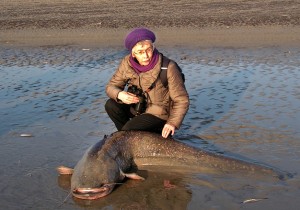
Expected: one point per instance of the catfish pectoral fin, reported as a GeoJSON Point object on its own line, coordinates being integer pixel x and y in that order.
{"type": "Point", "coordinates": [134, 176]}
{"type": "Point", "coordinates": [63, 170]}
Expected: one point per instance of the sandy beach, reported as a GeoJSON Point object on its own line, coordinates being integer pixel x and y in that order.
{"type": "Point", "coordinates": [231, 23]}
{"type": "Point", "coordinates": [241, 61]}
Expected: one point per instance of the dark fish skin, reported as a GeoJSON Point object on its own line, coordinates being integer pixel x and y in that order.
{"type": "Point", "coordinates": [108, 161]}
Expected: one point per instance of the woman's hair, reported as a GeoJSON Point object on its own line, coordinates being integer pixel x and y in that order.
{"type": "Point", "coordinates": [142, 43]}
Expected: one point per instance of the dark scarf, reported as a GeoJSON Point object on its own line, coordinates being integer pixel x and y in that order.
{"type": "Point", "coordinates": [139, 68]}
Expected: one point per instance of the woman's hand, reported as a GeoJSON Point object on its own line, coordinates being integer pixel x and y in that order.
{"type": "Point", "coordinates": [128, 98]}
{"type": "Point", "coordinates": [167, 130]}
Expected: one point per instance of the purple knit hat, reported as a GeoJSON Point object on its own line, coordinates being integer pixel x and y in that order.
{"type": "Point", "coordinates": [138, 35]}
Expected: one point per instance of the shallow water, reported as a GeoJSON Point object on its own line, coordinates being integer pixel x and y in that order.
{"type": "Point", "coordinates": [244, 102]}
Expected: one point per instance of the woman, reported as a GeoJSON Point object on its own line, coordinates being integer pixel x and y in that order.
{"type": "Point", "coordinates": [147, 104]}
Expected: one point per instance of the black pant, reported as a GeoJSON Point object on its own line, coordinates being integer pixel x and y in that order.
{"type": "Point", "coordinates": [124, 120]}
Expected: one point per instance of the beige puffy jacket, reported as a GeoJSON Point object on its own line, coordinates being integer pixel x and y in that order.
{"type": "Point", "coordinates": [170, 104]}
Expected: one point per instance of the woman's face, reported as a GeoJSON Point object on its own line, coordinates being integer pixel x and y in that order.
{"type": "Point", "coordinates": [143, 52]}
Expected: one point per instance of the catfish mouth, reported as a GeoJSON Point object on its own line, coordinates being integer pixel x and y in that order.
{"type": "Point", "coordinates": [87, 193]}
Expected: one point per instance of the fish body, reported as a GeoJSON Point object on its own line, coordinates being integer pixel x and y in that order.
{"type": "Point", "coordinates": [108, 162]}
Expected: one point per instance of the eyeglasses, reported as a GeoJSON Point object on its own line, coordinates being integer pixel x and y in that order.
{"type": "Point", "coordinates": [147, 51]}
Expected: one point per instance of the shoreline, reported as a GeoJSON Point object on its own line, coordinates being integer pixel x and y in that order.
{"type": "Point", "coordinates": [235, 37]}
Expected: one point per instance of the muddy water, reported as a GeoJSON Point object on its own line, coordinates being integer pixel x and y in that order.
{"type": "Point", "coordinates": [244, 102]}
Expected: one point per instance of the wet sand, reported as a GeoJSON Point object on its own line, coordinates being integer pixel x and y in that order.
{"type": "Point", "coordinates": [241, 61]}
{"type": "Point", "coordinates": [244, 102]}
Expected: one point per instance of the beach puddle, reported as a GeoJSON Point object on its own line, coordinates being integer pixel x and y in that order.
{"type": "Point", "coordinates": [244, 102]}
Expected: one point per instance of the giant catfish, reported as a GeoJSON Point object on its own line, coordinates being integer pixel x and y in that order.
{"type": "Point", "coordinates": [109, 161]}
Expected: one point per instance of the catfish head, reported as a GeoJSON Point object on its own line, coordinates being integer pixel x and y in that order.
{"type": "Point", "coordinates": [96, 175]}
